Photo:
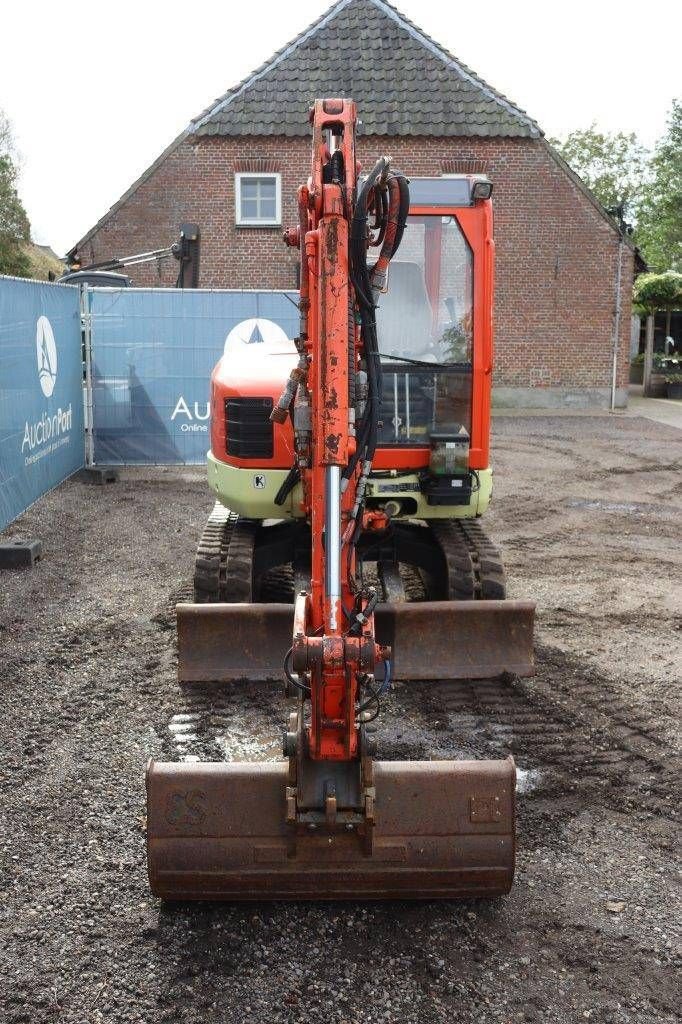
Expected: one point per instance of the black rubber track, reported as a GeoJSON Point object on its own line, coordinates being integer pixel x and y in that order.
{"type": "Point", "coordinates": [460, 583]}
{"type": "Point", "coordinates": [238, 586]}
{"type": "Point", "coordinates": [209, 564]}
{"type": "Point", "coordinates": [224, 568]}
{"type": "Point", "coordinates": [488, 570]}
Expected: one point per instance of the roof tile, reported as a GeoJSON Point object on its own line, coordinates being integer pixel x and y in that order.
{"type": "Point", "coordinates": [368, 50]}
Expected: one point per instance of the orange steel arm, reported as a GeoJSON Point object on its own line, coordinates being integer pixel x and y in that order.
{"type": "Point", "coordinates": [334, 652]}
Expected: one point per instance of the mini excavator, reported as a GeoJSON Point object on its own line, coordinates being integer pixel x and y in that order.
{"type": "Point", "coordinates": [345, 552]}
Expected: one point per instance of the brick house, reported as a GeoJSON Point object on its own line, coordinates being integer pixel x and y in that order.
{"type": "Point", "coordinates": [235, 171]}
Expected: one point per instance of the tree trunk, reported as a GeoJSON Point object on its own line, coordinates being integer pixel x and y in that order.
{"type": "Point", "coordinates": [648, 352]}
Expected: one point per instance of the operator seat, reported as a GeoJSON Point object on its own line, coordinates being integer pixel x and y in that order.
{"type": "Point", "coordinates": [404, 316]}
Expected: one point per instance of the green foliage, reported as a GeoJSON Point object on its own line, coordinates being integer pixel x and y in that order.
{"type": "Point", "coordinates": [43, 262]}
{"type": "Point", "coordinates": [659, 361]}
{"type": "Point", "coordinates": [13, 219]}
{"type": "Point", "coordinates": [14, 225]}
{"type": "Point", "coordinates": [613, 166]}
{"type": "Point", "coordinates": [658, 291]}
{"type": "Point", "coordinates": [644, 188]}
{"type": "Point", "coordinates": [7, 147]}
{"type": "Point", "coordinates": [673, 378]}
{"type": "Point", "coordinates": [659, 228]}
{"type": "Point", "coordinates": [15, 230]}
{"type": "Point", "coordinates": [456, 343]}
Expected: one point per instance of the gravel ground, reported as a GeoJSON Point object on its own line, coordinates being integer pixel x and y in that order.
{"type": "Point", "coordinates": [587, 513]}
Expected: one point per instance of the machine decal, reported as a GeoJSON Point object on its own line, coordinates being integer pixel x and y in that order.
{"type": "Point", "coordinates": [395, 488]}
{"type": "Point", "coordinates": [255, 331]}
{"type": "Point", "coordinates": [47, 355]}
{"type": "Point", "coordinates": [186, 808]}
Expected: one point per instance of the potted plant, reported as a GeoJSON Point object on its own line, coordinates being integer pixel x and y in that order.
{"type": "Point", "coordinates": [674, 385]}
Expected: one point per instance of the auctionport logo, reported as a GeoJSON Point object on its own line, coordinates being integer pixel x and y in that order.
{"type": "Point", "coordinates": [47, 434]}
{"type": "Point", "coordinates": [255, 331]}
{"type": "Point", "coordinates": [46, 350]}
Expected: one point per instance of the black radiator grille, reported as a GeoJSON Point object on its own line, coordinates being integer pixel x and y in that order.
{"type": "Point", "coordinates": [248, 428]}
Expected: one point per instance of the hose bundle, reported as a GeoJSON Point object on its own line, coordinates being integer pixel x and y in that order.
{"type": "Point", "coordinates": [387, 194]}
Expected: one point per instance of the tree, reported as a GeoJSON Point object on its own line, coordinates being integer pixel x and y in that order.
{"type": "Point", "coordinates": [659, 230]}
{"type": "Point", "coordinates": [658, 292]}
{"type": "Point", "coordinates": [613, 166]}
{"type": "Point", "coordinates": [14, 224]}
{"type": "Point", "coordinates": [15, 229]}
{"type": "Point", "coordinates": [6, 137]}
{"type": "Point", "coordinates": [654, 292]}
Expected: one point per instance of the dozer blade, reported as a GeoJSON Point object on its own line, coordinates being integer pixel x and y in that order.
{"type": "Point", "coordinates": [444, 829]}
{"type": "Point", "coordinates": [458, 639]}
{"type": "Point", "coordinates": [430, 639]}
{"type": "Point", "coordinates": [225, 642]}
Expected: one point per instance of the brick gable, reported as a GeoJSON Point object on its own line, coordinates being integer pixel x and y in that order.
{"type": "Point", "coordinates": [556, 252]}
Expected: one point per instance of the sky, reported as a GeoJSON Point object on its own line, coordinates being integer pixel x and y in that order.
{"type": "Point", "coordinates": [96, 91]}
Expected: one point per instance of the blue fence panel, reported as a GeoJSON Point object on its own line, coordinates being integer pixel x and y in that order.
{"type": "Point", "coordinates": [153, 351]}
{"type": "Point", "coordinates": [41, 391]}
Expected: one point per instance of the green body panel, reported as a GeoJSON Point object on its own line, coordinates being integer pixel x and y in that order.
{"type": "Point", "coordinates": [251, 493]}
{"type": "Point", "coordinates": [406, 485]}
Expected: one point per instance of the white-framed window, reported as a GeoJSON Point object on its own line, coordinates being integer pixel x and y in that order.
{"type": "Point", "coordinates": [258, 198]}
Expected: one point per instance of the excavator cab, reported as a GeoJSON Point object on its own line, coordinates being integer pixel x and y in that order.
{"type": "Point", "coordinates": [425, 327]}
{"type": "Point", "coordinates": [351, 467]}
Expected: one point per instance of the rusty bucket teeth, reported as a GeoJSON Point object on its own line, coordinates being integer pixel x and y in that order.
{"type": "Point", "coordinates": [443, 829]}
{"type": "Point", "coordinates": [430, 639]}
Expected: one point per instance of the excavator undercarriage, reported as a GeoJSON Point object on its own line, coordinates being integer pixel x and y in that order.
{"type": "Point", "coordinates": [442, 601]}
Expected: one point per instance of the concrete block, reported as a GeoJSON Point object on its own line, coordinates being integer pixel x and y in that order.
{"type": "Point", "coordinates": [97, 475]}
{"type": "Point", "coordinates": [20, 554]}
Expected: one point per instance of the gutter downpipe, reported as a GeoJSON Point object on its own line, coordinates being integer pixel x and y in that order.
{"type": "Point", "coordinates": [616, 320]}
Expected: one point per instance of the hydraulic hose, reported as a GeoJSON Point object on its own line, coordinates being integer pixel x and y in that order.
{"type": "Point", "coordinates": [304, 300]}
{"type": "Point", "coordinates": [390, 234]}
{"type": "Point", "coordinates": [391, 205]}
{"type": "Point", "coordinates": [290, 481]}
{"type": "Point", "coordinates": [367, 430]}
{"type": "Point", "coordinates": [394, 217]}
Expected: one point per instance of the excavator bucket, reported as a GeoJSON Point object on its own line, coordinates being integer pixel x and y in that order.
{"type": "Point", "coordinates": [443, 829]}
{"type": "Point", "coordinates": [429, 640]}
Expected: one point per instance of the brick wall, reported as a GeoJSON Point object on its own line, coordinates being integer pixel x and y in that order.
{"type": "Point", "coordinates": [556, 255]}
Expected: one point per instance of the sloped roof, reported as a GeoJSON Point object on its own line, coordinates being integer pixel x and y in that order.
{"type": "Point", "coordinates": [402, 81]}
